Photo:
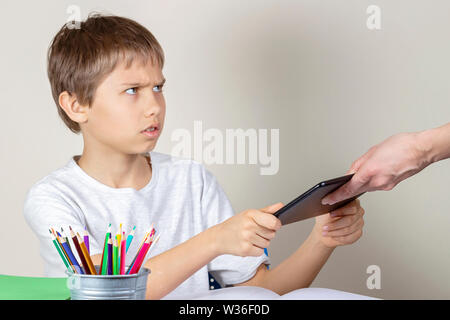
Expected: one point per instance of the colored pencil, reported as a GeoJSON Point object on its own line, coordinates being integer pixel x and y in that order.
{"type": "Point", "coordinates": [114, 254]}
{"type": "Point", "coordinates": [110, 256]}
{"type": "Point", "coordinates": [119, 236]}
{"type": "Point", "coordinates": [139, 260]}
{"type": "Point", "coordinates": [122, 256]}
{"type": "Point", "coordinates": [65, 237]}
{"type": "Point", "coordinates": [86, 239]}
{"type": "Point", "coordinates": [63, 257]}
{"type": "Point", "coordinates": [59, 238]}
{"type": "Point", "coordinates": [118, 250]}
{"type": "Point", "coordinates": [137, 253]}
{"type": "Point", "coordinates": [130, 238]}
{"type": "Point", "coordinates": [73, 261]}
{"type": "Point", "coordinates": [104, 262]}
{"type": "Point", "coordinates": [79, 251]}
{"type": "Point", "coordinates": [86, 255]}
{"type": "Point", "coordinates": [154, 242]}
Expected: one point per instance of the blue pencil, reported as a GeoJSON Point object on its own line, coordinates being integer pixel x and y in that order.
{"type": "Point", "coordinates": [72, 258]}
{"type": "Point", "coordinates": [130, 238]}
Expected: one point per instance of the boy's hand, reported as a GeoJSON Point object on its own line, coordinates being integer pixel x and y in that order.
{"type": "Point", "coordinates": [343, 226]}
{"type": "Point", "coordinates": [249, 232]}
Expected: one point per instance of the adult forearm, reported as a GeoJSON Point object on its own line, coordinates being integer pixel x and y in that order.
{"type": "Point", "coordinates": [300, 269]}
{"type": "Point", "coordinates": [170, 268]}
{"type": "Point", "coordinates": [436, 143]}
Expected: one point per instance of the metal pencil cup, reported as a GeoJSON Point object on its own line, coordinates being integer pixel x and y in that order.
{"type": "Point", "coordinates": [108, 287]}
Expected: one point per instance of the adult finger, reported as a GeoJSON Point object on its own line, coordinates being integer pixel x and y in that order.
{"type": "Point", "coordinates": [352, 188]}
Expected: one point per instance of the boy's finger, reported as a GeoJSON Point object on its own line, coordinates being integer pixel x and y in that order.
{"type": "Point", "coordinates": [266, 233]}
{"type": "Point", "coordinates": [266, 220]}
{"type": "Point", "coordinates": [260, 242]}
{"type": "Point", "coordinates": [349, 238]}
{"type": "Point", "coordinates": [346, 230]}
{"type": "Point", "coordinates": [352, 208]}
{"type": "Point", "coordinates": [341, 223]}
{"type": "Point", "coordinates": [272, 208]}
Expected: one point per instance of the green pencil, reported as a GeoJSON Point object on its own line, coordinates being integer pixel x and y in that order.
{"type": "Point", "coordinates": [61, 254]}
{"type": "Point", "coordinates": [105, 252]}
{"type": "Point", "coordinates": [115, 254]}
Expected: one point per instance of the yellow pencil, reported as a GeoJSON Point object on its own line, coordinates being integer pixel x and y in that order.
{"type": "Point", "coordinates": [119, 235]}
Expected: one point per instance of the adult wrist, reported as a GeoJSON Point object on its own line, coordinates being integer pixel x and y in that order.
{"type": "Point", "coordinates": [433, 144]}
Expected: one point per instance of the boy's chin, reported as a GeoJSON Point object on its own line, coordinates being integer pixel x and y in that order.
{"type": "Point", "coordinates": [150, 148]}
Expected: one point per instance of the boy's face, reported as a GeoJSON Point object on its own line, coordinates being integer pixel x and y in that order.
{"type": "Point", "coordinates": [127, 102]}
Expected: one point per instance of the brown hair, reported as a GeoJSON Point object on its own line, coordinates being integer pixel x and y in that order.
{"type": "Point", "coordinates": [79, 58]}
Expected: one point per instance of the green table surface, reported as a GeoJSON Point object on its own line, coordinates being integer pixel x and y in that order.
{"type": "Point", "coordinates": [33, 288]}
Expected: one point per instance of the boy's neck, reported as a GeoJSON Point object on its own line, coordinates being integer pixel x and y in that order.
{"type": "Point", "coordinates": [117, 171]}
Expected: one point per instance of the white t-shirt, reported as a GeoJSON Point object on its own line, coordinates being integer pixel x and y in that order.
{"type": "Point", "coordinates": [182, 199]}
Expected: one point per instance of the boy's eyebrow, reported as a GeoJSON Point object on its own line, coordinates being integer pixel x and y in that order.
{"type": "Point", "coordinates": [140, 84]}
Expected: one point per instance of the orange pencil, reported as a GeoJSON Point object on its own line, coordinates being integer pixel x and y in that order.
{"type": "Point", "coordinates": [86, 254]}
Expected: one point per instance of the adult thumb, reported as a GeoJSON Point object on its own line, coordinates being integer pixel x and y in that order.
{"type": "Point", "coordinates": [273, 207]}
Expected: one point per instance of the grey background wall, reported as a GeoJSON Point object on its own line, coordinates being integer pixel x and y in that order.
{"type": "Point", "coordinates": [311, 69]}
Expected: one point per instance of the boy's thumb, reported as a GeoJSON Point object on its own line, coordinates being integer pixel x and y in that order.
{"type": "Point", "coordinates": [273, 207]}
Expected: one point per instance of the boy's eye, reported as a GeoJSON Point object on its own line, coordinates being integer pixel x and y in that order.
{"type": "Point", "coordinates": [131, 91]}
{"type": "Point", "coordinates": [159, 88]}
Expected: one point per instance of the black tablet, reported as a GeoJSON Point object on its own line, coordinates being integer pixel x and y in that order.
{"type": "Point", "coordinates": [309, 204]}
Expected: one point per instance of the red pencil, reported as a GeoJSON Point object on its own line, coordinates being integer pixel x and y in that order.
{"type": "Point", "coordinates": [123, 251]}
{"type": "Point", "coordinates": [80, 252]}
{"type": "Point", "coordinates": [139, 260]}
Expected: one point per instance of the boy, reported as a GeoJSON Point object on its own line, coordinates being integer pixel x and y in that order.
{"type": "Point", "coordinates": [106, 79]}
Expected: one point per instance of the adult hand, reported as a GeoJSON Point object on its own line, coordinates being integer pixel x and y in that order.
{"type": "Point", "coordinates": [383, 166]}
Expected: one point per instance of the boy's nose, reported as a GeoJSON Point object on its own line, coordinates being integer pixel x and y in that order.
{"type": "Point", "coordinates": [152, 110]}
{"type": "Point", "coordinates": [153, 107]}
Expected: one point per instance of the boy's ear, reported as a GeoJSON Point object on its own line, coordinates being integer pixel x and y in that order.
{"type": "Point", "coordinates": [75, 111]}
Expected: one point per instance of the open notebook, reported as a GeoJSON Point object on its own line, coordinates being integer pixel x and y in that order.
{"type": "Point", "coordinates": [258, 293]}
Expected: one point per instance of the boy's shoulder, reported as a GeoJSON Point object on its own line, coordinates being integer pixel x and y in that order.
{"type": "Point", "coordinates": [50, 183]}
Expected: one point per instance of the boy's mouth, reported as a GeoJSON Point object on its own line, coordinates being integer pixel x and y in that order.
{"type": "Point", "coordinates": [151, 131]}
